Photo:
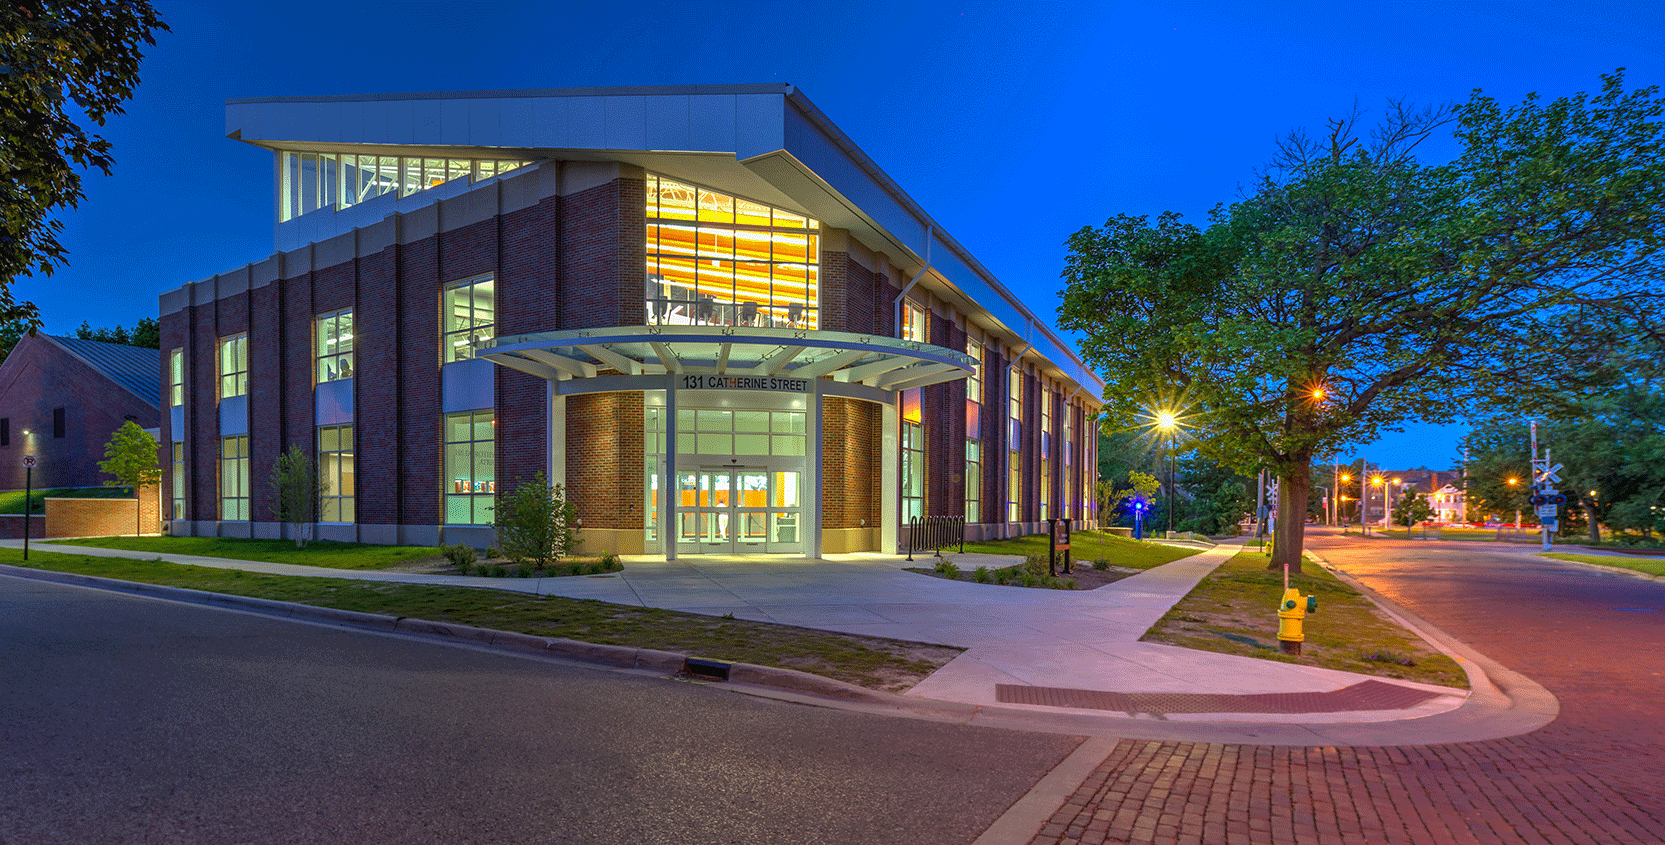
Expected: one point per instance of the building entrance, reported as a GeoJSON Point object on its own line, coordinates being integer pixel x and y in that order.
{"type": "Point", "coordinates": [739, 510]}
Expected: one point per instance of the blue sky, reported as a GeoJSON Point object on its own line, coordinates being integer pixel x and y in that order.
{"type": "Point", "coordinates": [1012, 124]}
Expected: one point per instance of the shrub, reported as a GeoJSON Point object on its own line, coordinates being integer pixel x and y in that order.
{"type": "Point", "coordinates": [947, 569]}
{"type": "Point", "coordinates": [535, 523]}
{"type": "Point", "coordinates": [1101, 564]}
{"type": "Point", "coordinates": [609, 563]}
{"type": "Point", "coordinates": [491, 552]}
{"type": "Point", "coordinates": [982, 575]}
{"type": "Point", "coordinates": [1037, 566]}
{"type": "Point", "coordinates": [461, 556]}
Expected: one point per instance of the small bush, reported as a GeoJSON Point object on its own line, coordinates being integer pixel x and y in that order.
{"type": "Point", "coordinates": [575, 568]}
{"type": "Point", "coordinates": [536, 523]}
{"type": "Point", "coordinates": [1388, 657]}
{"type": "Point", "coordinates": [609, 563]}
{"type": "Point", "coordinates": [463, 569]}
{"type": "Point", "coordinates": [461, 556]}
{"type": "Point", "coordinates": [982, 575]}
{"type": "Point", "coordinates": [947, 569]}
{"type": "Point", "coordinates": [1030, 580]}
{"type": "Point", "coordinates": [1101, 564]}
{"type": "Point", "coordinates": [522, 572]}
{"type": "Point", "coordinates": [492, 552]}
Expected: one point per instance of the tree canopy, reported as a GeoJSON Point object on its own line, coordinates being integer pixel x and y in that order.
{"type": "Point", "coordinates": [1355, 287]}
{"type": "Point", "coordinates": [59, 60]}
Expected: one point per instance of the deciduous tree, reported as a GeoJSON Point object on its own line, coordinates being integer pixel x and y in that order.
{"type": "Point", "coordinates": [131, 459]}
{"type": "Point", "coordinates": [62, 62]}
{"type": "Point", "coordinates": [1356, 287]}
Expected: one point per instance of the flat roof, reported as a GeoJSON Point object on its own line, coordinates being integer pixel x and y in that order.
{"type": "Point", "coordinates": [766, 142]}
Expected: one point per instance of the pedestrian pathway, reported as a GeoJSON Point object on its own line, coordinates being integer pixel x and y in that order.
{"type": "Point", "coordinates": [1075, 642]}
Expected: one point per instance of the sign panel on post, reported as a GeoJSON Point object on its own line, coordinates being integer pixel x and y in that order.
{"type": "Point", "coordinates": [1546, 511]}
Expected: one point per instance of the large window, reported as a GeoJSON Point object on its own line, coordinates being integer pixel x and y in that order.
{"type": "Point", "coordinates": [913, 458]}
{"type": "Point", "coordinates": [470, 467]}
{"type": "Point", "coordinates": [335, 473]}
{"type": "Point", "coordinates": [718, 260]}
{"type": "Point", "coordinates": [470, 312]}
{"type": "Point", "coordinates": [234, 366]}
{"type": "Point", "coordinates": [1046, 451]}
{"type": "Point", "coordinates": [1014, 443]}
{"type": "Point", "coordinates": [974, 427]}
{"type": "Point", "coordinates": [312, 181]}
{"type": "Point", "coordinates": [1068, 475]}
{"type": "Point", "coordinates": [753, 433]}
{"type": "Point", "coordinates": [973, 481]}
{"type": "Point", "coordinates": [913, 322]}
{"type": "Point", "coordinates": [178, 481]}
{"type": "Point", "coordinates": [335, 345]}
{"type": "Point", "coordinates": [176, 378]}
{"type": "Point", "coordinates": [234, 478]}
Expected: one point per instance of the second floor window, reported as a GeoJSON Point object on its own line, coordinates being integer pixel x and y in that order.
{"type": "Point", "coordinates": [335, 345]}
{"type": "Point", "coordinates": [470, 312]}
{"type": "Point", "coordinates": [234, 366]}
{"type": "Point", "coordinates": [176, 377]}
{"type": "Point", "coordinates": [913, 322]}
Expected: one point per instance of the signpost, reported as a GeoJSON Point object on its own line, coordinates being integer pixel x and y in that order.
{"type": "Point", "coordinates": [28, 493]}
{"type": "Point", "coordinates": [1545, 498]}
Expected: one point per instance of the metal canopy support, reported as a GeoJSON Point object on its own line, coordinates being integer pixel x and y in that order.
{"type": "Point", "coordinates": [828, 364]}
{"type": "Point", "coordinates": [864, 372]}
{"type": "Point", "coordinates": [915, 376]}
{"type": "Point", "coordinates": [572, 366]}
{"type": "Point", "coordinates": [666, 356]}
{"type": "Point", "coordinates": [623, 363]}
{"type": "Point", "coordinates": [530, 367]}
{"type": "Point", "coordinates": [775, 361]}
{"type": "Point", "coordinates": [723, 352]}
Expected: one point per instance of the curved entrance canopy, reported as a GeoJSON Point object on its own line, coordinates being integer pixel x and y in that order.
{"type": "Point", "coordinates": [737, 357]}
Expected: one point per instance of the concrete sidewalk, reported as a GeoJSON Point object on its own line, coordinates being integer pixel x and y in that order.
{"type": "Point", "coordinates": [1074, 642]}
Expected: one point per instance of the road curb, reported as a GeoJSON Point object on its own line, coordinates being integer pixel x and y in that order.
{"type": "Point", "coordinates": [1616, 570]}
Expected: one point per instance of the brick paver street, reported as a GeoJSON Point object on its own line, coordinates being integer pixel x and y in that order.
{"type": "Point", "coordinates": [1592, 776]}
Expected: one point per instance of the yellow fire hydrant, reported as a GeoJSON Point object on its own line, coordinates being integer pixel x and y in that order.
{"type": "Point", "coordinates": [1290, 615]}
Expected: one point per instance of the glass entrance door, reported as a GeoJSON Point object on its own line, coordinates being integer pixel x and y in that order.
{"type": "Point", "coordinates": [741, 510]}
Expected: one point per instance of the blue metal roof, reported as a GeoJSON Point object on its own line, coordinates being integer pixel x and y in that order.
{"type": "Point", "coordinates": [133, 367]}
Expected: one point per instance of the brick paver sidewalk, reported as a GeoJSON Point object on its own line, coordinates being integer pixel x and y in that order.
{"type": "Point", "coordinates": [1517, 790]}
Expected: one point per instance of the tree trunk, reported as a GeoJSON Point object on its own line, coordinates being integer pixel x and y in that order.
{"type": "Point", "coordinates": [138, 515]}
{"type": "Point", "coordinates": [1590, 514]}
{"type": "Point", "coordinates": [1289, 531]}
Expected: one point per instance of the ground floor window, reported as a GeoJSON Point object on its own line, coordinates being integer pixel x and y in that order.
{"type": "Point", "coordinates": [1046, 488]}
{"type": "Point", "coordinates": [335, 473]}
{"type": "Point", "coordinates": [470, 467]}
{"type": "Point", "coordinates": [178, 481]}
{"type": "Point", "coordinates": [973, 481]}
{"type": "Point", "coordinates": [234, 478]}
{"type": "Point", "coordinates": [913, 471]}
{"type": "Point", "coordinates": [1014, 485]}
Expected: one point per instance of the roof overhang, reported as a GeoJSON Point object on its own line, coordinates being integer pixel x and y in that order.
{"type": "Point", "coordinates": [790, 360]}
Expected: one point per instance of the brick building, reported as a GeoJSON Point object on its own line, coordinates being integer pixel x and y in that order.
{"type": "Point", "coordinates": [703, 291]}
{"type": "Point", "coordinates": [60, 400]}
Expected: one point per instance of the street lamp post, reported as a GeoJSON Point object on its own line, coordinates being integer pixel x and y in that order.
{"type": "Point", "coordinates": [1165, 421]}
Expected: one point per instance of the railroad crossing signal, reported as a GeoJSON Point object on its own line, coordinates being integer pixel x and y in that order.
{"type": "Point", "coordinates": [1543, 473]}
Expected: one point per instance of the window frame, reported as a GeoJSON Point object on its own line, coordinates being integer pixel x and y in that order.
{"type": "Point", "coordinates": [326, 483]}
{"type": "Point", "coordinates": [240, 466]}
{"type": "Point", "coordinates": [239, 379]}
{"type": "Point", "coordinates": [176, 377]}
{"type": "Point", "coordinates": [319, 357]}
{"type": "Point", "coordinates": [448, 482]}
{"type": "Point", "coordinates": [447, 311]}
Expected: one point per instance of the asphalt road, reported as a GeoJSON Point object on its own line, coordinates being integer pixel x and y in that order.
{"type": "Point", "coordinates": [1596, 640]}
{"type": "Point", "coordinates": [131, 720]}
{"type": "Point", "coordinates": [1594, 775]}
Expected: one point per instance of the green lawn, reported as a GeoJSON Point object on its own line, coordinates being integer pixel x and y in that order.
{"type": "Point", "coordinates": [1088, 546]}
{"type": "Point", "coordinates": [1235, 611]}
{"type": "Point", "coordinates": [317, 553]}
{"type": "Point", "coordinates": [869, 661]}
{"type": "Point", "coordinates": [12, 502]}
{"type": "Point", "coordinates": [1651, 565]}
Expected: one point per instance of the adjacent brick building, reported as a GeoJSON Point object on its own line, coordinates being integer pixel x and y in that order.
{"type": "Point", "coordinates": [706, 291]}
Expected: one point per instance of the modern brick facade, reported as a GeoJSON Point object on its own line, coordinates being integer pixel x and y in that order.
{"type": "Point", "coordinates": [570, 373]}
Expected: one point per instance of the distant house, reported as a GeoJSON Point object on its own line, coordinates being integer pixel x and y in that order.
{"type": "Point", "coordinates": [1442, 488]}
{"type": "Point", "coordinates": [61, 398]}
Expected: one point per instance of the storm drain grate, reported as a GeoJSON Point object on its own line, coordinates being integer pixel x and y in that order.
{"type": "Point", "coordinates": [1365, 695]}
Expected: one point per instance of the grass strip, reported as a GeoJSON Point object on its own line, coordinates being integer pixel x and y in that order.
{"type": "Point", "coordinates": [323, 553]}
{"type": "Point", "coordinates": [872, 662]}
{"type": "Point", "coordinates": [12, 501]}
{"type": "Point", "coordinates": [1651, 565]}
{"type": "Point", "coordinates": [1509, 535]}
{"type": "Point", "coordinates": [1085, 547]}
{"type": "Point", "coordinates": [1235, 611]}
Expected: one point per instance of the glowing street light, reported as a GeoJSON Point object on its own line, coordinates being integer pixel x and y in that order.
{"type": "Point", "coordinates": [1168, 423]}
